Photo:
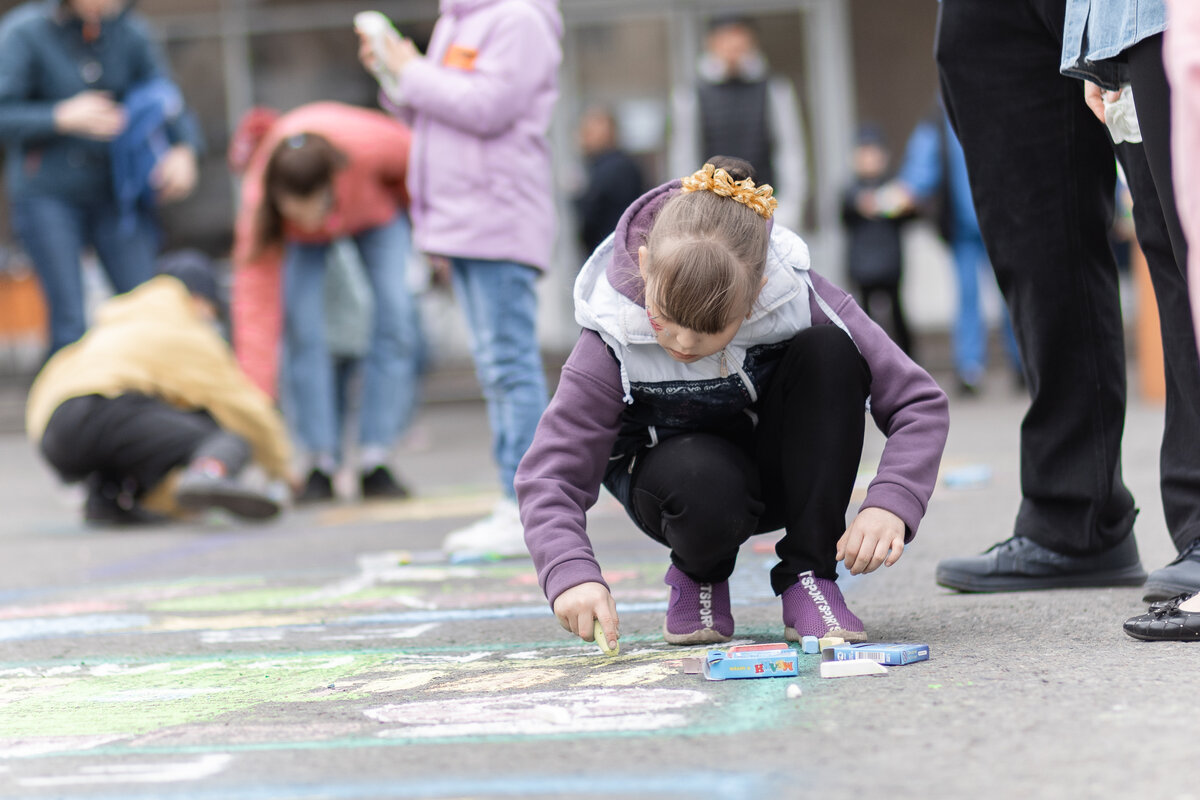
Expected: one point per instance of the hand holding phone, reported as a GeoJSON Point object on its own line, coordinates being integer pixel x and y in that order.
{"type": "Point", "coordinates": [378, 30]}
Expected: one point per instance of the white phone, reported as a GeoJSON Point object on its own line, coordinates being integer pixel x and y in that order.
{"type": "Point", "coordinates": [379, 29]}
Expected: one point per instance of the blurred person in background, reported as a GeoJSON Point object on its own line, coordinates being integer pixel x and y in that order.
{"type": "Point", "coordinates": [323, 172]}
{"type": "Point", "coordinates": [480, 101]}
{"type": "Point", "coordinates": [739, 108]}
{"type": "Point", "coordinates": [873, 218]}
{"type": "Point", "coordinates": [934, 175]}
{"type": "Point", "coordinates": [614, 179]}
{"type": "Point", "coordinates": [88, 121]}
{"type": "Point", "coordinates": [151, 411]}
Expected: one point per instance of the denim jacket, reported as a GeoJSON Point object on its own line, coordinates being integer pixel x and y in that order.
{"type": "Point", "coordinates": [44, 58]}
{"type": "Point", "coordinates": [1097, 32]}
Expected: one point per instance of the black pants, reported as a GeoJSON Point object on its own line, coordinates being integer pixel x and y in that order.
{"type": "Point", "coordinates": [893, 320]}
{"type": "Point", "coordinates": [133, 441]}
{"type": "Point", "coordinates": [704, 494]}
{"type": "Point", "coordinates": [1042, 177]}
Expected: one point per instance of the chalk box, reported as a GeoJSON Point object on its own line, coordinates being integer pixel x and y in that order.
{"type": "Point", "coordinates": [892, 655]}
{"type": "Point", "coordinates": [776, 660]}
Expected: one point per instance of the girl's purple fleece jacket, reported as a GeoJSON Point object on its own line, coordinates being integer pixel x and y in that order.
{"type": "Point", "coordinates": [561, 474]}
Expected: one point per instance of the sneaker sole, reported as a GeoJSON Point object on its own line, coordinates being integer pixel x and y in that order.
{"type": "Point", "coordinates": [248, 505]}
{"type": "Point", "coordinates": [792, 635]}
{"type": "Point", "coordinates": [967, 582]}
{"type": "Point", "coordinates": [1158, 591]}
{"type": "Point", "coordinates": [704, 636]}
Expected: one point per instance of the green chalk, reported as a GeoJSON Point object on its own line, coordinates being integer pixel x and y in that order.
{"type": "Point", "coordinates": [602, 641]}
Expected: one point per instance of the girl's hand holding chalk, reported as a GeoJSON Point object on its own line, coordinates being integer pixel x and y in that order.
{"type": "Point", "coordinates": [606, 647]}
{"type": "Point", "coordinates": [589, 612]}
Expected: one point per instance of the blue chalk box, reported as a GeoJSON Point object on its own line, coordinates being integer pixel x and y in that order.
{"type": "Point", "coordinates": [776, 660]}
{"type": "Point", "coordinates": [892, 655]}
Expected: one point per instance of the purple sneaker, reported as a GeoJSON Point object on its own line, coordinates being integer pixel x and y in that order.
{"type": "Point", "coordinates": [698, 613]}
{"type": "Point", "coordinates": [815, 607]}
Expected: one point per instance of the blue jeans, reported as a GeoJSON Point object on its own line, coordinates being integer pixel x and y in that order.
{"type": "Point", "coordinates": [500, 303]}
{"type": "Point", "coordinates": [390, 380]}
{"type": "Point", "coordinates": [970, 330]}
{"type": "Point", "coordinates": [54, 232]}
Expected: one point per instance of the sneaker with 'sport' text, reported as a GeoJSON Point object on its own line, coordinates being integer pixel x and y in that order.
{"type": "Point", "coordinates": [698, 611]}
{"type": "Point", "coordinates": [814, 606]}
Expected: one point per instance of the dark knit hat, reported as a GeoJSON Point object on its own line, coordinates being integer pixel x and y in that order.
{"type": "Point", "coordinates": [197, 272]}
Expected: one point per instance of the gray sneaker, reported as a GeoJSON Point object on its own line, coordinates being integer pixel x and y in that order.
{"type": "Point", "coordinates": [1020, 565]}
{"type": "Point", "coordinates": [198, 491]}
{"type": "Point", "coordinates": [1181, 576]}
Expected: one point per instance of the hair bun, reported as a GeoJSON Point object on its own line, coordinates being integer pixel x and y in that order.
{"type": "Point", "coordinates": [738, 168]}
{"type": "Point", "coordinates": [718, 180]}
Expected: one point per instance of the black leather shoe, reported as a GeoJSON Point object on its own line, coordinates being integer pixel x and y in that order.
{"type": "Point", "coordinates": [318, 487]}
{"type": "Point", "coordinates": [1166, 622]}
{"type": "Point", "coordinates": [1020, 564]}
{"type": "Point", "coordinates": [380, 484]}
{"type": "Point", "coordinates": [1181, 576]}
{"type": "Point", "coordinates": [110, 506]}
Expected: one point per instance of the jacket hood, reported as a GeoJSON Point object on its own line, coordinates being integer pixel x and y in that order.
{"type": "Point", "coordinates": [631, 233]}
{"type": "Point", "coordinates": [548, 9]}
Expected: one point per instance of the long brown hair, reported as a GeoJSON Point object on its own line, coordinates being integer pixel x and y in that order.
{"type": "Point", "coordinates": [299, 165]}
{"type": "Point", "coordinates": [707, 254]}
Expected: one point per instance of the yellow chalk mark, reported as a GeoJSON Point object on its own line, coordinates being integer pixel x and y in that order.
{"type": "Point", "coordinates": [400, 683]}
{"type": "Point", "coordinates": [643, 675]}
{"type": "Point", "coordinates": [517, 679]}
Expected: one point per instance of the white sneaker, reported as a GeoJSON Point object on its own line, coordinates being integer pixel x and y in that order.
{"type": "Point", "coordinates": [499, 535]}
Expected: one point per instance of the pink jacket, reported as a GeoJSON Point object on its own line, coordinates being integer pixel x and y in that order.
{"type": "Point", "coordinates": [369, 192]}
{"type": "Point", "coordinates": [480, 103]}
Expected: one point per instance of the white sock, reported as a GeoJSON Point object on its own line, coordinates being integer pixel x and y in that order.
{"type": "Point", "coordinates": [372, 456]}
{"type": "Point", "coordinates": [325, 462]}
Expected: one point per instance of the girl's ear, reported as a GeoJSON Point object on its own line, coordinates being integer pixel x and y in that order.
{"type": "Point", "coordinates": [643, 257]}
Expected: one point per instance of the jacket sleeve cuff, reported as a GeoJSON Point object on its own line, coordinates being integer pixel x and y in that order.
{"type": "Point", "coordinates": [570, 574]}
{"type": "Point", "coordinates": [901, 502]}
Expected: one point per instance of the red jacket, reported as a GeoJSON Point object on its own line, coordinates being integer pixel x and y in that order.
{"type": "Point", "coordinates": [369, 192]}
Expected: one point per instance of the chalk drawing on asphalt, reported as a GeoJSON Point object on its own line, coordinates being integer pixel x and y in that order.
{"type": "Point", "coordinates": [541, 713]}
{"type": "Point", "coordinates": [205, 766]}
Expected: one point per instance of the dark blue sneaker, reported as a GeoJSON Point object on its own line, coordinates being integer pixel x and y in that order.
{"type": "Point", "coordinates": [1021, 565]}
{"type": "Point", "coordinates": [1181, 576]}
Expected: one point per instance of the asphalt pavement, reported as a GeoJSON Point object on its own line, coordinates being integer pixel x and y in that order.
{"type": "Point", "coordinates": [335, 653]}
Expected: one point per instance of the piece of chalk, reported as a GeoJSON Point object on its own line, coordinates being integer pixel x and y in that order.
{"type": "Point", "coordinates": [829, 641]}
{"type": "Point", "coordinates": [602, 641]}
{"type": "Point", "coordinates": [794, 691]}
{"type": "Point", "coordinates": [850, 669]}
{"type": "Point", "coordinates": [810, 645]}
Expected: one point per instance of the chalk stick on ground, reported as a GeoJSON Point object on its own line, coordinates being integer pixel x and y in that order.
{"type": "Point", "coordinates": [602, 641]}
{"type": "Point", "coordinates": [850, 669]}
{"type": "Point", "coordinates": [810, 645]}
